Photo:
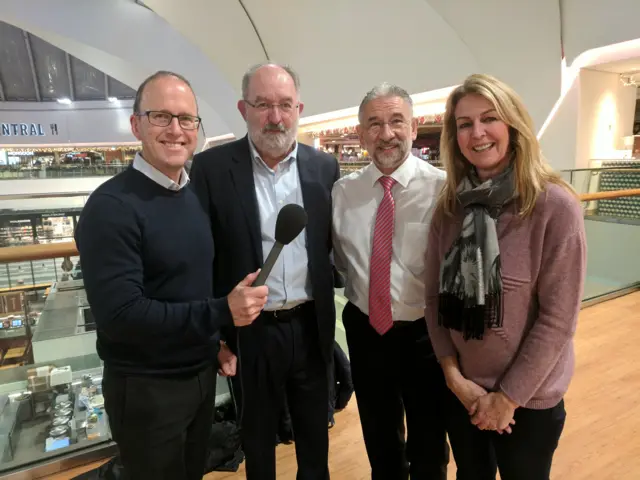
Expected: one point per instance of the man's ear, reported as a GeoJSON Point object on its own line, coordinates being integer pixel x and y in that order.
{"type": "Point", "coordinates": [135, 126]}
{"type": "Point", "coordinates": [242, 108]}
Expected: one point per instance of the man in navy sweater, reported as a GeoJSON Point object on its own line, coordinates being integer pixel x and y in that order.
{"type": "Point", "coordinates": [147, 253]}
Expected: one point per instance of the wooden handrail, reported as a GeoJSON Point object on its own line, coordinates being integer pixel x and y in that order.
{"type": "Point", "coordinates": [68, 249]}
{"type": "Point", "coordinates": [24, 253]}
{"type": "Point", "coordinates": [588, 197]}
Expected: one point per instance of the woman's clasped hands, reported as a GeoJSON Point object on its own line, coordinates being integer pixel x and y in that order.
{"type": "Point", "coordinates": [493, 411]}
{"type": "Point", "coordinates": [488, 410]}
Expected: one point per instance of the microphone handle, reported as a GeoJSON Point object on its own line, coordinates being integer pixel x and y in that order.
{"type": "Point", "coordinates": [268, 265]}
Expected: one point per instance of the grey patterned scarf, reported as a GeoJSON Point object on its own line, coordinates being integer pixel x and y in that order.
{"type": "Point", "coordinates": [470, 279]}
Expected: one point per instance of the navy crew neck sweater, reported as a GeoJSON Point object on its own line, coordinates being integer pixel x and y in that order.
{"type": "Point", "coordinates": [147, 254]}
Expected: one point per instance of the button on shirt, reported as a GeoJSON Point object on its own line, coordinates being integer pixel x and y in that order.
{"type": "Point", "coordinates": [289, 283]}
{"type": "Point", "coordinates": [355, 202]}
{"type": "Point", "coordinates": [157, 176]}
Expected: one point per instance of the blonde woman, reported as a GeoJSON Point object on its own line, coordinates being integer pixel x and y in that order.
{"type": "Point", "coordinates": [506, 260]}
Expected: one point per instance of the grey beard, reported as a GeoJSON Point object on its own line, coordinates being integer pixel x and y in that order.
{"type": "Point", "coordinates": [391, 160]}
{"type": "Point", "coordinates": [274, 144]}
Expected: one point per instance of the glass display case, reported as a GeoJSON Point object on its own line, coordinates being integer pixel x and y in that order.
{"type": "Point", "coordinates": [51, 403]}
{"type": "Point", "coordinates": [56, 412]}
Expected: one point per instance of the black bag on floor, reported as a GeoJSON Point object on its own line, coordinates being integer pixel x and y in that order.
{"type": "Point", "coordinates": [225, 444]}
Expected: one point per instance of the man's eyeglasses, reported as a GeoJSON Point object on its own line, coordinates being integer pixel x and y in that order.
{"type": "Point", "coordinates": [164, 119]}
{"type": "Point", "coordinates": [284, 107]}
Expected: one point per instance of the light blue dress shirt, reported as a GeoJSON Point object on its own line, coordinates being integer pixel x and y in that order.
{"type": "Point", "coordinates": [289, 283]}
{"type": "Point", "coordinates": [157, 176]}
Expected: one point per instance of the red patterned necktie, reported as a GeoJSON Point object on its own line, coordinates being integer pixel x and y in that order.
{"type": "Point", "coordinates": [380, 270]}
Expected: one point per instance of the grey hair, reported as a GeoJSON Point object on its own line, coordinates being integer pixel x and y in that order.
{"type": "Point", "coordinates": [385, 90]}
{"type": "Point", "coordinates": [149, 79]}
{"type": "Point", "coordinates": [246, 78]}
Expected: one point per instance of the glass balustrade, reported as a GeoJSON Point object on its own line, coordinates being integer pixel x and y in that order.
{"type": "Point", "coordinates": [612, 227]}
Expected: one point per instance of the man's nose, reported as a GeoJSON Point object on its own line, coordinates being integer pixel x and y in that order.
{"type": "Point", "coordinates": [174, 127]}
{"type": "Point", "coordinates": [386, 133]}
{"type": "Point", "coordinates": [274, 114]}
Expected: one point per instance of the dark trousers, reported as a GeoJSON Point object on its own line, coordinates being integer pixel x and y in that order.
{"type": "Point", "coordinates": [394, 374]}
{"type": "Point", "coordinates": [290, 363]}
{"type": "Point", "coordinates": [161, 424]}
{"type": "Point", "coordinates": [524, 454]}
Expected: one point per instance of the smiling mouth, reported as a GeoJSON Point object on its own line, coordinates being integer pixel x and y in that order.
{"type": "Point", "coordinates": [173, 144]}
{"type": "Point", "coordinates": [387, 147]}
{"type": "Point", "coordinates": [482, 148]}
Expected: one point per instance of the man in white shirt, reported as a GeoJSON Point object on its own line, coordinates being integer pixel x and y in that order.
{"type": "Point", "coordinates": [381, 217]}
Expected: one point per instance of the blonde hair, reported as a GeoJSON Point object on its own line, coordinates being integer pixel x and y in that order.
{"type": "Point", "coordinates": [532, 172]}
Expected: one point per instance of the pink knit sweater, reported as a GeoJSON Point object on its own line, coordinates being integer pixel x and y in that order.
{"type": "Point", "coordinates": [531, 357]}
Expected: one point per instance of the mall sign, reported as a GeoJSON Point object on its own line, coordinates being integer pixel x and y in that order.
{"type": "Point", "coordinates": [26, 129]}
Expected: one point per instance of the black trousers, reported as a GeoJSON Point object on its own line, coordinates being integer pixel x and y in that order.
{"type": "Point", "coordinates": [161, 424]}
{"type": "Point", "coordinates": [394, 374]}
{"type": "Point", "coordinates": [524, 454]}
{"type": "Point", "coordinates": [290, 366]}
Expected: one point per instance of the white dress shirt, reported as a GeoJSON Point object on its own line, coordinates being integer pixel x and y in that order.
{"type": "Point", "coordinates": [355, 203]}
{"type": "Point", "coordinates": [157, 176]}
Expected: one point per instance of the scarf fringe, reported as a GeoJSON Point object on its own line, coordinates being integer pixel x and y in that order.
{"type": "Point", "coordinates": [471, 320]}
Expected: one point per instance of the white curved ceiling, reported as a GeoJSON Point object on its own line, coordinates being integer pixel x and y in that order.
{"type": "Point", "coordinates": [341, 48]}
{"type": "Point", "coordinates": [589, 24]}
{"type": "Point", "coordinates": [338, 49]}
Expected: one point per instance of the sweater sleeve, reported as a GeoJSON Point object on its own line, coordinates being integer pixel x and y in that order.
{"type": "Point", "coordinates": [440, 337]}
{"type": "Point", "coordinates": [559, 291]}
{"type": "Point", "coordinates": [110, 242]}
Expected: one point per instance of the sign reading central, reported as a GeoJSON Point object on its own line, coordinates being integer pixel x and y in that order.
{"type": "Point", "coordinates": [25, 129]}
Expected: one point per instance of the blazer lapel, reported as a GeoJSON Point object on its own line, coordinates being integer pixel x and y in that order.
{"type": "Point", "coordinates": [307, 170]}
{"type": "Point", "coordinates": [242, 178]}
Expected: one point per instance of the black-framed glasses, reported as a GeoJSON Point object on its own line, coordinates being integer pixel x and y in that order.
{"type": "Point", "coordinates": [164, 119]}
{"type": "Point", "coordinates": [284, 107]}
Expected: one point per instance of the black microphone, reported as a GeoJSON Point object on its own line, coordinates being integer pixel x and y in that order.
{"type": "Point", "coordinates": [291, 221]}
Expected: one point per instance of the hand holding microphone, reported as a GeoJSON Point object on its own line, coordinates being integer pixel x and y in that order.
{"type": "Point", "coordinates": [246, 302]}
{"type": "Point", "coordinates": [249, 297]}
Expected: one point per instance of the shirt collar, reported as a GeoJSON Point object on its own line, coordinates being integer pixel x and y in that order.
{"type": "Point", "coordinates": [157, 176]}
{"type": "Point", "coordinates": [402, 175]}
{"type": "Point", "coordinates": [258, 159]}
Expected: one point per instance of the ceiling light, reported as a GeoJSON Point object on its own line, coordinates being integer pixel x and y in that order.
{"type": "Point", "coordinates": [65, 101]}
{"type": "Point", "coordinates": [113, 99]}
